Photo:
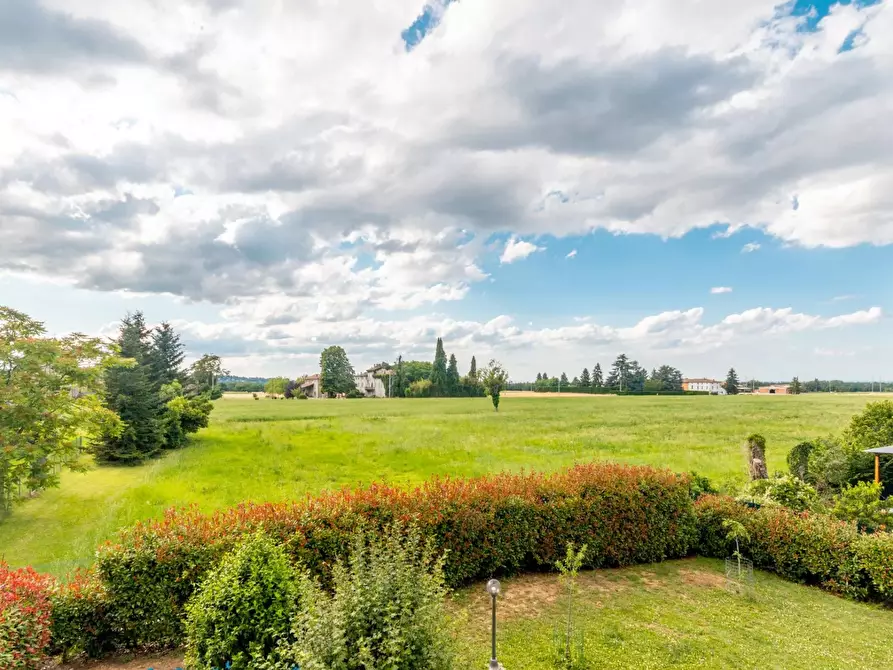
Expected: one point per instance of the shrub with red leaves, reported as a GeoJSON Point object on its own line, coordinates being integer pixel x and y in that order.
{"type": "Point", "coordinates": [24, 618]}
{"type": "Point", "coordinates": [498, 524]}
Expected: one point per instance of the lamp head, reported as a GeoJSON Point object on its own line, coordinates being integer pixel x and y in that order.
{"type": "Point", "coordinates": [493, 587]}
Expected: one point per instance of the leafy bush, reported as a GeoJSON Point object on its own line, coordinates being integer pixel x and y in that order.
{"type": "Point", "coordinates": [300, 395]}
{"type": "Point", "coordinates": [861, 503]}
{"type": "Point", "coordinates": [420, 389]}
{"type": "Point", "coordinates": [24, 618]}
{"type": "Point", "coordinates": [80, 617]}
{"type": "Point", "coordinates": [387, 610]}
{"type": "Point", "coordinates": [243, 608]}
{"type": "Point", "coordinates": [809, 548]}
{"type": "Point", "coordinates": [784, 490]}
{"type": "Point", "coordinates": [829, 465]}
{"type": "Point", "coordinates": [872, 428]}
{"type": "Point", "coordinates": [354, 393]}
{"type": "Point", "coordinates": [700, 486]}
{"type": "Point", "coordinates": [798, 460]}
{"type": "Point", "coordinates": [495, 524]}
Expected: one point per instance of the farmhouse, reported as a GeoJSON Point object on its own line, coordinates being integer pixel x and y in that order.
{"type": "Point", "coordinates": [709, 385]}
{"type": "Point", "coordinates": [373, 383]}
{"type": "Point", "coordinates": [774, 389]}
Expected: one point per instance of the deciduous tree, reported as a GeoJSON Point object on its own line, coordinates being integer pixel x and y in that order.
{"type": "Point", "coordinates": [50, 400]}
{"type": "Point", "coordinates": [337, 374]}
{"type": "Point", "coordinates": [796, 387]}
{"type": "Point", "coordinates": [494, 380]}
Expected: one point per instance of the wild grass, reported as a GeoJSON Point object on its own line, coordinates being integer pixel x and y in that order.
{"type": "Point", "coordinates": [278, 449]}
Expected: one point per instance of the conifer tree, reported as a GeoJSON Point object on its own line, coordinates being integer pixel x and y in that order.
{"type": "Point", "coordinates": [598, 380]}
{"type": "Point", "coordinates": [473, 370]}
{"type": "Point", "coordinates": [165, 355]}
{"type": "Point", "coordinates": [585, 379]}
{"type": "Point", "coordinates": [453, 376]}
{"type": "Point", "coordinates": [439, 373]}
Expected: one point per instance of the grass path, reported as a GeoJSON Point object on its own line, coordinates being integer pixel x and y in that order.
{"type": "Point", "coordinates": [277, 450]}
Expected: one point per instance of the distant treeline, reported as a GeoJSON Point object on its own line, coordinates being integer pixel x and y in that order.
{"type": "Point", "coordinates": [825, 386]}
{"type": "Point", "coordinates": [243, 386]}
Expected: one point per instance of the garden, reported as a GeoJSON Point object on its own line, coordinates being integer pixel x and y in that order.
{"type": "Point", "coordinates": [389, 576]}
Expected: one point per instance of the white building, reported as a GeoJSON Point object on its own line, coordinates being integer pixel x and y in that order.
{"type": "Point", "coordinates": [373, 383]}
{"type": "Point", "coordinates": [708, 385]}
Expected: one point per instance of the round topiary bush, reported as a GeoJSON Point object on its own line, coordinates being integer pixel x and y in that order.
{"type": "Point", "coordinates": [243, 608]}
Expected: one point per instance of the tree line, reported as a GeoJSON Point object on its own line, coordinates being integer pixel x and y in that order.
{"type": "Point", "coordinates": [122, 401]}
{"type": "Point", "coordinates": [624, 376]}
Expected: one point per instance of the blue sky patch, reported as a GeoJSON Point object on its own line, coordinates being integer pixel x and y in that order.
{"type": "Point", "coordinates": [426, 22]}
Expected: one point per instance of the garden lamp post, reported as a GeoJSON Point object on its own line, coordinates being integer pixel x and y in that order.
{"type": "Point", "coordinates": [493, 588]}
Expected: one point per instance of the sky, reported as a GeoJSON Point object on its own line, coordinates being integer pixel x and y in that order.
{"type": "Point", "coordinates": [704, 185]}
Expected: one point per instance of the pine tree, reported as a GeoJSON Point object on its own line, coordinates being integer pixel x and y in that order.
{"type": "Point", "coordinates": [564, 381]}
{"type": "Point", "coordinates": [585, 379]}
{"type": "Point", "coordinates": [166, 354]}
{"type": "Point", "coordinates": [539, 377]}
{"type": "Point", "coordinates": [732, 382]}
{"type": "Point", "coordinates": [619, 377]}
{"type": "Point", "coordinates": [796, 388]}
{"type": "Point", "coordinates": [473, 370]}
{"type": "Point", "coordinates": [598, 381]}
{"type": "Point", "coordinates": [453, 376]}
{"type": "Point", "coordinates": [130, 393]}
{"type": "Point", "coordinates": [398, 386]}
{"type": "Point", "coordinates": [439, 373]}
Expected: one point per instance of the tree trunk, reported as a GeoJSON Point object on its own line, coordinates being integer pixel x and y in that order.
{"type": "Point", "coordinates": [756, 456]}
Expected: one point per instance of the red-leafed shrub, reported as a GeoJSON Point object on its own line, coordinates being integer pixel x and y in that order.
{"type": "Point", "coordinates": [808, 548]}
{"type": "Point", "coordinates": [81, 622]}
{"type": "Point", "coordinates": [491, 525]}
{"type": "Point", "coordinates": [24, 618]}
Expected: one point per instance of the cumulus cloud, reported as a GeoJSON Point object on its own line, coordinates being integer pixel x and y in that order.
{"type": "Point", "coordinates": [516, 250]}
{"type": "Point", "coordinates": [216, 158]}
{"type": "Point", "coordinates": [750, 247]}
{"type": "Point", "coordinates": [717, 290]}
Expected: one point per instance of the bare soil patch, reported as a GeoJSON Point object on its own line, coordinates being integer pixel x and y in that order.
{"type": "Point", "coordinates": [169, 661]}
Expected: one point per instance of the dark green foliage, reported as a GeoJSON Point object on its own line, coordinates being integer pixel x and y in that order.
{"type": "Point", "coordinates": [452, 376]}
{"type": "Point", "coordinates": [439, 369]}
{"type": "Point", "coordinates": [862, 504]}
{"type": "Point", "coordinates": [473, 370]}
{"type": "Point", "coordinates": [203, 376]}
{"type": "Point", "coordinates": [354, 393]}
{"type": "Point", "coordinates": [130, 394]}
{"type": "Point", "coordinates": [598, 380]}
{"type": "Point", "coordinates": [798, 460]}
{"type": "Point", "coordinates": [81, 623]}
{"type": "Point", "coordinates": [243, 608]}
{"type": "Point", "coordinates": [337, 375]}
{"type": "Point", "coordinates": [796, 387]}
{"type": "Point", "coordinates": [732, 382]}
{"type": "Point", "coordinates": [585, 379]}
{"type": "Point", "coordinates": [701, 486]}
{"type": "Point", "coordinates": [665, 378]}
{"type": "Point", "coordinates": [165, 356]}
{"type": "Point", "coordinates": [386, 610]}
{"type": "Point", "coordinates": [563, 380]}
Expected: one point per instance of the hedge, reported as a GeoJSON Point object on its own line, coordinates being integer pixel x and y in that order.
{"type": "Point", "coordinates": [808, 548]}
{"type": "Point", "coordinates": [499, 524]}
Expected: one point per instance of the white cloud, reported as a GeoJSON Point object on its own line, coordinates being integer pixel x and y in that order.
{"type": "Point", "coordinates": [833, 353]}
{"type": "Point", "coordinates": [517, 249]}
{"type": "Point", "coordinates": [572, 254]}
{"type": "Point", "coordinates": [717, 290]}
{"type": "Point", "coordinates": [750, 247]}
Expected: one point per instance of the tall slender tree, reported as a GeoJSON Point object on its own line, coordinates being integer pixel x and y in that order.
{"type": "Point", "coordinates": [473, 370]}
{"type": "Point", "coordinates": [539, 377]}
{"type": "Point", "coordinates": [796, 387]}
{"type": "Point", "coordinates": [398, 384]}
{"type": "Point", "coordinates": [439, 373]}
{"type": "Point", "coordinates": [453, 376]}
{"type": "Point", "coordinates": [564, 381]}
{"type": "Point", "coordinates": [732, 382]}
{"type": "Point", "coordinates": [598, 380]}
{"type": "Point", "coordinates": [585, 379]}
{"type": "Point", "coordinates": [619, 377]}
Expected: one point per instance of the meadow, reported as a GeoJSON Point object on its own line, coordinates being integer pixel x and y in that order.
{"type": "Point", "coordinates": [277, 450]}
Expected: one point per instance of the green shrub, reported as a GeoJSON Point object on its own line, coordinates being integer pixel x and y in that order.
{"type": "Point", "coordinates": [785, 490]}
{"type": "Point", "coordinates": [700, 486]}
{"type": "Point", "coordinates": [387, 610]}
{"type": "Point", "coordinates": [354, 394]}
{"type": "Point", "coordinates": [874, 557]}
{"type": "Point", "coordinates": [798, 460]}
{"type": "Point", "coordinates": [81, 622]}
{"type": "Point", "coordinates": [829, 465]}
{"type": "Point", "coordinates": [420, 389]}
{"type": "Point", "coordinates": [498, 524]}
{"type": "Point", "coordinates": [861, 503]}
{"type": "Point", "coordinates": [243, 608]}
{"type": "Point", "coordinates": [872, 428]}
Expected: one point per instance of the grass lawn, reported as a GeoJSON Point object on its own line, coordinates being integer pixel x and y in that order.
{"type": "Point", "coordinates": [275, 450]}
{"type": "Point", "coordinates": [676, 614]}
{"type": "Point", "coordinates": [679, 615]}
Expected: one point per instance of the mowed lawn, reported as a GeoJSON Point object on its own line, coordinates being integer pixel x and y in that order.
{"type": "Point", "coordinates": [276, 450]}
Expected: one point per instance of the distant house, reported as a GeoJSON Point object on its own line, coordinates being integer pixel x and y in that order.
{"type": "Point", "coordinates": [310, 387]}
{"type": "Point", "coordinates": [774, 389]}
{"type": "Point", "coordinates": [708, 385]}
{"type": "Point", "coordinates": [373, 383]}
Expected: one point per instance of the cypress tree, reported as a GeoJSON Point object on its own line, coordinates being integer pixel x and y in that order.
{"type": "Point", "coordinates": [439, 373]}
{"type": "Point", "coordinates": [453, 375]}
{"type": "Point", "coordinates": [473, 370]}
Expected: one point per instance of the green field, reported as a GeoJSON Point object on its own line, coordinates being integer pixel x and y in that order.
{"type": "Point", "coordinates": [275, 450]}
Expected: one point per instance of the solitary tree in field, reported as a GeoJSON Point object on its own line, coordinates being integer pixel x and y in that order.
{"type": "Point", "coordinates": [494, 380]}
{"type": "Point", "coordinates": [796, 387]}
{"type": "Point", "coordinates": [336, 373]}
{"type": "Point", "coordinates": [585, 379]}
{"type": "Point", "coordinates": [732, 382]}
